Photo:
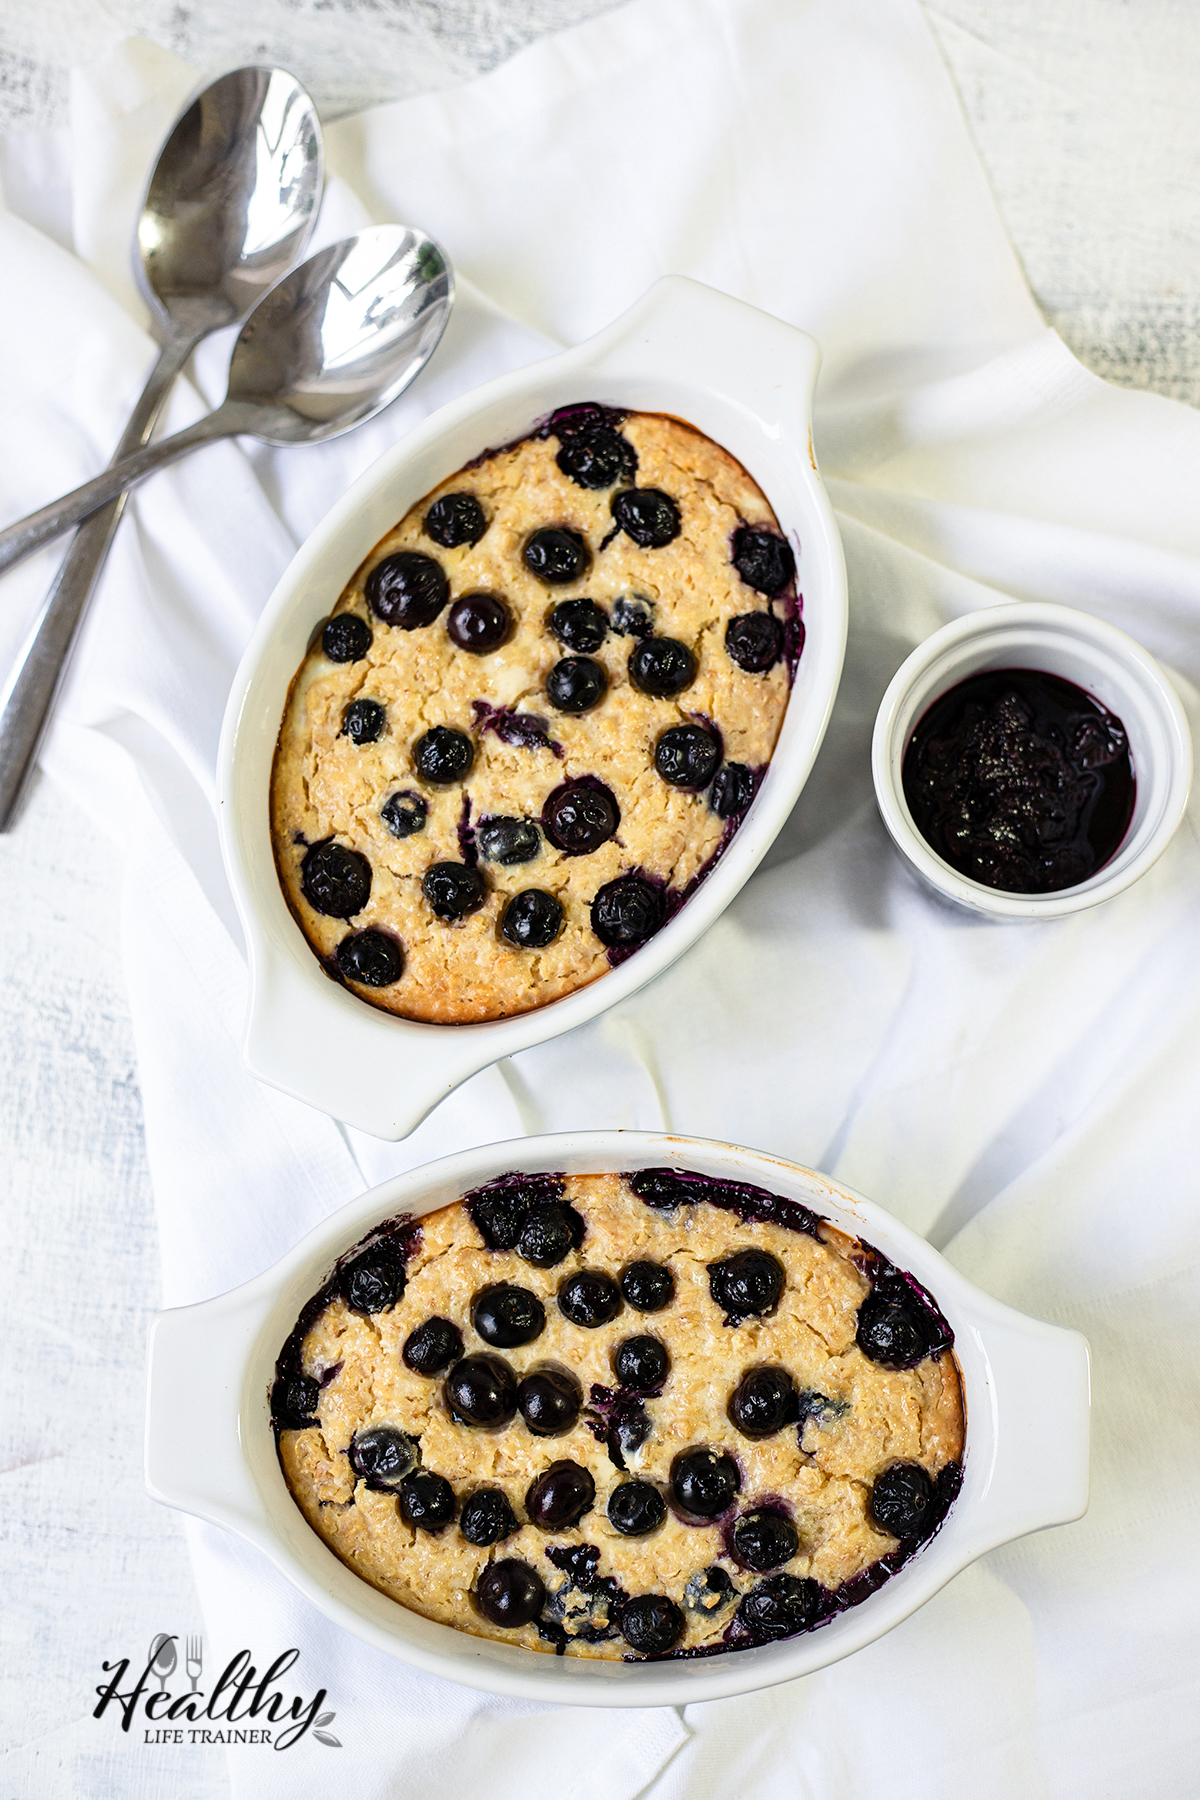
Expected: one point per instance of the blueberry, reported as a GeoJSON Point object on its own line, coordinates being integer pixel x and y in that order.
{"type": "Point", "coordinates": [510, 1593]}
{"type": "Point", "coordinates": [576, 684]}
{"type": "Point", "coordinates": [894, 1328]}
{"type": "Point", "coordinates": [560, 1496]}
{"type": "Point", "coordinates": [404, 813]}
{"type": "Point", "coordinates": [686, 756]}
{"type": "Point", "coordinates": [363, 721]}
{"type": "Point", "coordinates": [902, 1500]}
{"type": "Point", "coordinates": [754, 642]}
{"type": "Point", "coordinates": [763, 1402]}
{"type": "Point", "coordinates": [704, 1482]}
{"type": "Point", "coordinates": [532, 919]}
{"type": "Point", "coordinates": [426, 1501]}
{"type": "Point", "coordinates": [548, 1234]}
{"type": "Point", "coordinates": [294, 1402]}
{"type": "Point", "coordinates": [578, 817]}
{"type": "Point", "coordinates": [372, 1282]}
{"type": "Point", "coordinates": [579, 624]}
{"type": "Point", "coordinates": [746, 1285]}
{"type": "Point", "coordinates": [499, 1209]}
{"type": "Point", "coordinates": [590, 1298]}
{"type": "Point", "coordinates": [507, 841]}
{"type": "Point", "coordinates": [635, 1509]}
{"type": "Point", "coordinates": [661, 666]}
{"type": "Point", "coordinates": [597, 459]}
{"type": "Point", "coordinates": [708, 1591]}
{"type": "Point", "coordinates": [661, 1189]}
{"type": "Point", "coordinates": [443, 755]}
{"type": "Point", "coordinates": [647, 515]}
{"type": "Point", "coordinates": [779, 1607]}
{"type": "Point", "coordinates": [335, 881]}
{"type": "Point", "coordinates": [346, 638]}
{"type": "Point", "coordinates": [370, 957]}
{"type": "Point", "coordinates": [764, 1540]}
{"type": "Point", "coordinates": [432, 1347]}
{"type": "Point", "coordinates": [732, 790]}
{"type": "Point", "coordinates": [550, 1401]}
{"type": "Point", "coordinates": [556, 557]}
{"type": "Point", "coordinates": [487, 1517]}
{"type": "Point", "coordinates": [627, 911]}
{"type": "Point", "coordinates": [481, 1390]}
{"type": "Point", "coordinates": [648, 1286]}
{"type": "Point", "coordinates": [383, 1457]}
{"type": "Point", "coordinates": [763, 559]}
{"type": "Point", "coordinates": [479, 623]}
{"type": "Point", "coordinates": [633, 616]}
{"type": "Point", "coordinates": [505, 1316]}
{"type": "Point", "coordinates": [407, 589]}
{"type": "Point", "coordinates": [641, 1362]}
{"type": "Point", "coordinates": [453, 890]}
{"type": "Point", "coordinates": [651, 1624]}
{"type": "Point", "coordinates": [455, 519]}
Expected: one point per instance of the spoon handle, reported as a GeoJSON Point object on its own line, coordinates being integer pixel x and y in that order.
{"type": "Point", "coordinates": [29, 534]}
{"type": "Point", "coordinates": [28, 693]}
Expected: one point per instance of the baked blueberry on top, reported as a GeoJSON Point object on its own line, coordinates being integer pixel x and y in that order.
{"type": "Point", "coordinates": [455, 519]}
{"type": "Point", "coordinates": [509, 1422]}
{"type": "Point", "coordinates": [575, 652]}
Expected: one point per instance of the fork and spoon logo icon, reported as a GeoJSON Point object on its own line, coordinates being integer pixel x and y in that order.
{"type": "Point", "coordinates": [163, 1659]}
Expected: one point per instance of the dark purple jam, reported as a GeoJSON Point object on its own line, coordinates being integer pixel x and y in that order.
{"type": "Point", "coordinates": [1020, 781]}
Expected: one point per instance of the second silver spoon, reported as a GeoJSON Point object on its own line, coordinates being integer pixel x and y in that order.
{"type": "Point", "coordinates": [334, 343]}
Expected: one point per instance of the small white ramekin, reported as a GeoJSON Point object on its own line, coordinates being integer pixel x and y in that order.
{"type": "Point", "coordinates": [210, 1449]}
{"type": "Point", "coordinates": [1112, 668]}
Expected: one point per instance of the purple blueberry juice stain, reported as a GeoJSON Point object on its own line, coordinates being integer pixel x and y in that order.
{"type": "Point", "coordinates": [753, 1205]}
{"type": "Point", "coordinates": [520, 730]}
{"type": "Point", "coordinates": [466, 835]}
{"type": "Point", "coordinates": [617, 1418]}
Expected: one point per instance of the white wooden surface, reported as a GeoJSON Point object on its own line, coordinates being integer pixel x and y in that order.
{"type": "Point", "coordinates": [1085, 115]}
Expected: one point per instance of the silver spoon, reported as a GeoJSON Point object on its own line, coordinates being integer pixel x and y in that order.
{"type": "Point", "coordinates": [334, 343]}
{"type": "Point", "coordinates": [228, 209]}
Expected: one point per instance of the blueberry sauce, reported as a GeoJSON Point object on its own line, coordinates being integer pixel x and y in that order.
{"type": "Point", "coordinates": [1021, 781]}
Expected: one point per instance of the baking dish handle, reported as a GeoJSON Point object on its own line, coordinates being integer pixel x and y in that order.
{"type": "Point", "coordinates": [196, 1365]}
{"type": "Point", "coordinates": [1040, 1394]}
{"type": "Point", "coordinates": [682, 327]}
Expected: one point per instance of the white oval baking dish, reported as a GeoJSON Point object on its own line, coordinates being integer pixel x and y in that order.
{"type": "Point", "coordinates": [210, 1449]}
{"type": "Point", "coordinates": [740, 376]}
{"type": "Point", "coordinates": [1104, 662]}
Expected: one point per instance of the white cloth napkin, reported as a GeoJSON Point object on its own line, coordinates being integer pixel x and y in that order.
{"type": "Point", "coordinates": [1025, 1096]}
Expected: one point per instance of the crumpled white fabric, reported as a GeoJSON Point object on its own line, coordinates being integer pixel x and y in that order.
{"type": "Point", "coordinates": [1024, 1095]}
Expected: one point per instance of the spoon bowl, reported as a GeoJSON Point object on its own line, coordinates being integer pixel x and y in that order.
{"type": "Point", "coordinates": [342, 336]}
{"type": "Point", "coordinates": [231, 200]}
